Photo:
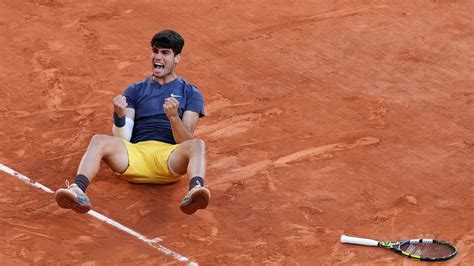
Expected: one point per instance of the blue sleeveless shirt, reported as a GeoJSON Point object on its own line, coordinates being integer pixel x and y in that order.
{"type": "Point", "coordinates": [147, 98]}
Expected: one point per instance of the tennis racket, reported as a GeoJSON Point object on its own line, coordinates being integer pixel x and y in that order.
{"type": "Point", "coordinates": [419, 249]}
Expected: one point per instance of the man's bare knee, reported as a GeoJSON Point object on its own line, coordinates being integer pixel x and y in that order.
{"type": "Point", "coordinates": [97, 141]}
{"type": "Point", "coordinates": [101, 143]}
{"type": "Point", "coordinates": [196, 146]}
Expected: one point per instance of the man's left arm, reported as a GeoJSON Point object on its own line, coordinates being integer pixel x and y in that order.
{"type": "Point", "coordinates": [183, 129]}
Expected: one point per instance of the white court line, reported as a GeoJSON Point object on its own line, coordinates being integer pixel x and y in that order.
{"type": "Point", "coordinates": [151, 242]}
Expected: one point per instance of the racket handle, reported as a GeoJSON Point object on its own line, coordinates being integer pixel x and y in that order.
{"type": "Point", "coordinates": [359, 241]}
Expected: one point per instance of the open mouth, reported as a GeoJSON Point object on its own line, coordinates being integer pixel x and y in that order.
{"type": "Point", "coordinates": [158, 66]}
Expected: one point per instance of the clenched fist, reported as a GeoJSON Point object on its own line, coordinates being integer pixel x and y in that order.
{"type": "Point", "coordinates": [170, 107]}
{"type": "Point", "coordinates": [120, 104]}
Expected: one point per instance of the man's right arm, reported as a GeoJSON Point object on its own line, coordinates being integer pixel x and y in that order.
{"type": "Point", "coordinates": [123, 118]}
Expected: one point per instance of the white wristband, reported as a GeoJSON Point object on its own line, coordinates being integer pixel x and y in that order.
{"type": "Point", "coordinates": [124, 132]}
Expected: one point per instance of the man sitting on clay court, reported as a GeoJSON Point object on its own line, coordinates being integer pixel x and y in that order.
{"type": "Point", "coordinates": [153, 129]}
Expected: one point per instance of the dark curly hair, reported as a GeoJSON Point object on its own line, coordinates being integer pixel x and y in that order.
{"type": "Point", "coordinates": [168, 39]}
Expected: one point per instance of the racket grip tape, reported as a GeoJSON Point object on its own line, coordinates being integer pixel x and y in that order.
{"type": "Point", "coordinates": [359, 241]}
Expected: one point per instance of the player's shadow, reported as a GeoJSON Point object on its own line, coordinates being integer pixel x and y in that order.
{"type": "Point", "coordinates": [144, 206]}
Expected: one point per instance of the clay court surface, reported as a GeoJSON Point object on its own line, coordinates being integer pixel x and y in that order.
{"type": "Point", "coordinates": [323, 118]}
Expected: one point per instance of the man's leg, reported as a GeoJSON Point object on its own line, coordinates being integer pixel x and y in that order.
{"type": "Point", "coordinates": [110, 149]}
{"type": "Point", "coordinates": [190, 158]}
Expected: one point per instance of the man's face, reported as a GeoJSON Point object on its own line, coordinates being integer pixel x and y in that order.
{"type": "Point", "coordinates": [163, 61]}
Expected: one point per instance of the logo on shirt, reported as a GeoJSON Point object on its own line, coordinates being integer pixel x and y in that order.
{"type": "Point", "coordinates": [175, 96]}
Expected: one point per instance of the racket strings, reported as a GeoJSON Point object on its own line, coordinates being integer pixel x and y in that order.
{"type": "Point", "coordinates": [428, 250]}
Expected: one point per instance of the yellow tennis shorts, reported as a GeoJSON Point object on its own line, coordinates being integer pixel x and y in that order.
{"type": "Point", "coordinates": [148, 162]}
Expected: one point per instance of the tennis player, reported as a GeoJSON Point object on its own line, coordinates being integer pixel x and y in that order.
{"type": "Point", "coordinates": [153, 134]}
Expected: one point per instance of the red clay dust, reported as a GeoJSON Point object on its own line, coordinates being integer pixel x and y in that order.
{"type": "Point", "coordinates": [323, 118]}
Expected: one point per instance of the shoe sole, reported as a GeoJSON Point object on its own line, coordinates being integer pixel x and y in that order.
{"type": "Point", "coordinates": [199, 200]}
{"type": "Point", "coordinates": [67, 200]}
